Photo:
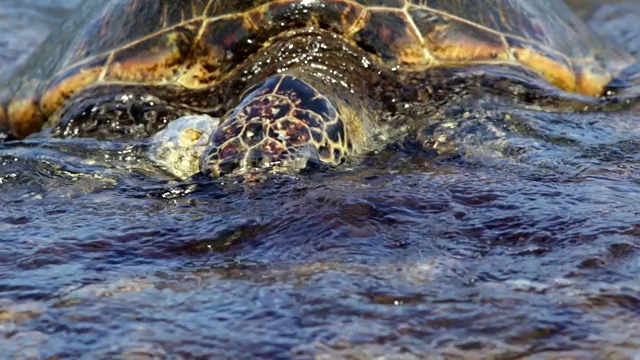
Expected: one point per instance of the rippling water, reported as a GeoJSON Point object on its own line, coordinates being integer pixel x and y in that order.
{"type": "Point", "coordinates": [524, 239]}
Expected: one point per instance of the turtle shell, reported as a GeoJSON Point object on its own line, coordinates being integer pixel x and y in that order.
{"type": "Point", "coordinates": [194, 44]}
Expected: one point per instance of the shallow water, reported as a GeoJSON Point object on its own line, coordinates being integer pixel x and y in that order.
{"type": "Point", "coordinates": [522, 239]}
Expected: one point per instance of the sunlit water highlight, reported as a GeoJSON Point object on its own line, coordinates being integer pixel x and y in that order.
{"type": "Point", "coordinates": [523, 239]}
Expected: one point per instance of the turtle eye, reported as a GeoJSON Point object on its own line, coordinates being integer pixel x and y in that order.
{"type": "Point", "coordinates": [121, 117]}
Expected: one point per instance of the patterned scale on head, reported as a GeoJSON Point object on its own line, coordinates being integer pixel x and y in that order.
{"type": "Point", "coordinates": [282, 122]}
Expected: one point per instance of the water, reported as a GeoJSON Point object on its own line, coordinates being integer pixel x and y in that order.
{"type": "Point", "coordinates": [522, 239]}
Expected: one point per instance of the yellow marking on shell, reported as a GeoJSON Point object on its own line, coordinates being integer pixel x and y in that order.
{"type": "Point", "coordinates": [111, 53]}
{"type": "Point", "coordinates": [358, 24]}
{"type": "Point", "coordinates": [164, 17]}
{"type": "Point", "coordinates": [590, 82]}
{"type": "Point", "coordinates": [552, 65]}
{"type": "Point", "coordinates": [154, 67]}
{"type": "Point", "coordinates": [23, 113]}
{"type": "Point", "coordinates": [447, 46]}
{"type": "Point", "coordinates": [427, 55]}
{"type": "Point", "coordinates": [155, 64]}
{"type": "Point", "coordinates": [409, 56]}
{"type": "Point", "coordinates": [409, 49]}
{"type": "Point", "coordinates": [557, 73]}
{"type": "Point", "coordinates": [412, 52]}
{"type": "Point", "coordinates": [197, 76]}
{"type": "Point", "coordinates": [344, 19]}
{"type": "Point", "coordinates": [25, 117]}
{"type": "Point", "coordinates": [254, 18]}
{"type": "Point", "coordinates": [192, 75]}
{"type": "Point", "coordinates": [62, 88]}
{"type": "Point", "coordinates": [105, 68]}
{"type": "Point", "coordinates": [478, 26]}
{"type": "Point", "coordinates": [206, 57]}
{"type": "Point", "coordinates": [207, 7]}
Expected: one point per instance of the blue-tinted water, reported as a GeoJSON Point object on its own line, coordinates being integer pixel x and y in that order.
{"type": "Point", "coordinates": [523, 238]}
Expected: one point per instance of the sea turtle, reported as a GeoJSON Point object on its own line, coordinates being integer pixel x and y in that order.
{"type": "Point", "coordinates": [292, 79]}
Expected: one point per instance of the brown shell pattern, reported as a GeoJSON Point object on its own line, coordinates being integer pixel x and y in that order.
{"type": "Point", "coordinates": [196, 43]}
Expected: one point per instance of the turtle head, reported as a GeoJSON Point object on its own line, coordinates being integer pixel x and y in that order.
{"type": "Point", "coordinates": [283, 123]}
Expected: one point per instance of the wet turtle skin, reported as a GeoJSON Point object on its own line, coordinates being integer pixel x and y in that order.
{"type": "Point", "coordinates": [292, 79]}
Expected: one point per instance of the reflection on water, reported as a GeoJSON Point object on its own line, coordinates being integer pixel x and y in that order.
{"type": "Point", "coordinates": [523, 238]}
